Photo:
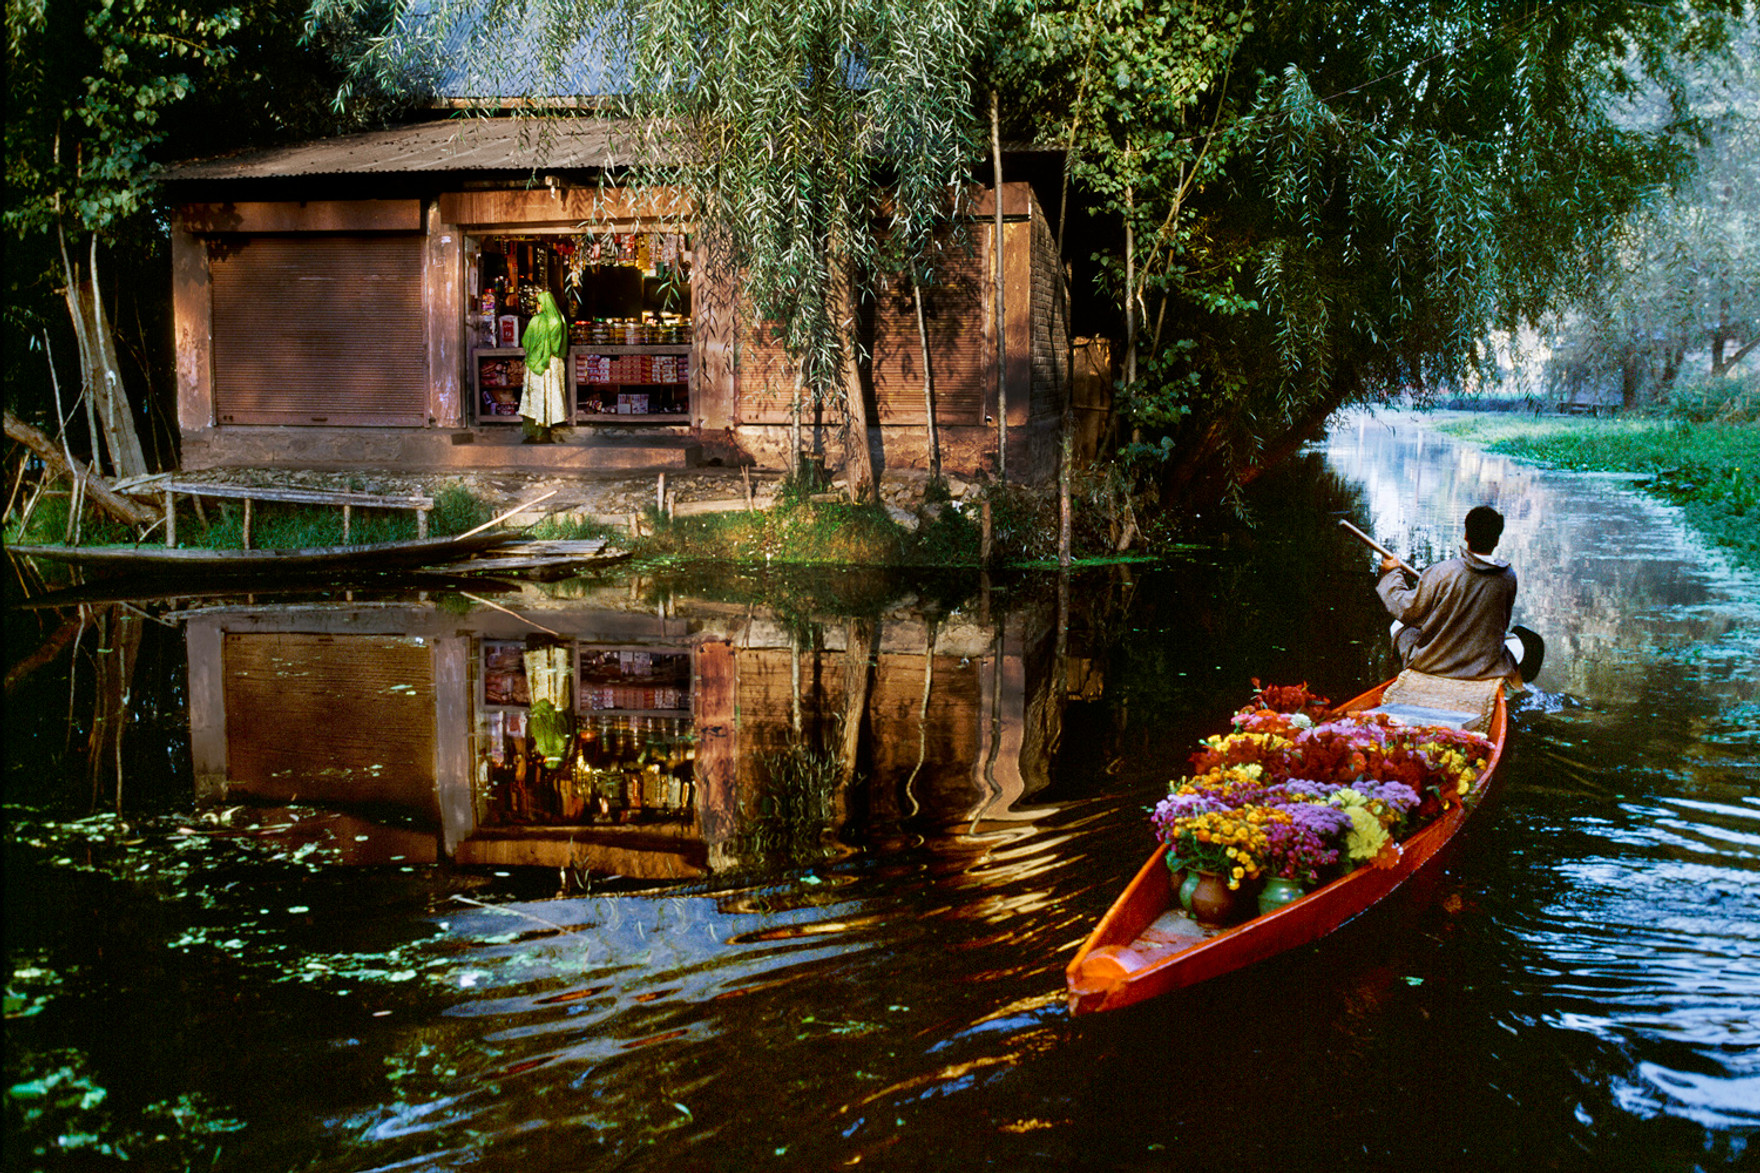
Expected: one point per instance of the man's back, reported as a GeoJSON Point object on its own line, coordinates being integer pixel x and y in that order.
{"type": "Point", "coordinates": [1456, 616]}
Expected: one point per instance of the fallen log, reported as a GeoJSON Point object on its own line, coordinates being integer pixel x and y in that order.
{"type": "Point", "coordinates": [98, 490]}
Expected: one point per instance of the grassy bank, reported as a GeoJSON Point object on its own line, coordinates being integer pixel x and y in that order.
{"type": "Point", "coordinates": [1712, 471]}
{"type": "Point", "coordinates": [804, 532]}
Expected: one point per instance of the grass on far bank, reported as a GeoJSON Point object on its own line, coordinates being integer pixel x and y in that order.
{"type": "Point", "coordinates": [1712, 471]}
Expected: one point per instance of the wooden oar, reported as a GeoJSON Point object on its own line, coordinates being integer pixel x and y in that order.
{"type": "Point", "coordinates": [503, 517]}
{"type": "Point", "coordinates": [1378, 547]}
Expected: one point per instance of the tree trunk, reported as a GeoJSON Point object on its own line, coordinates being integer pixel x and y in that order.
{"type": "Point", "coordinates": [1130, 287]}
{"type": "Point", "coordinates": [858, 459]}
{"type": "Point", "coordinates": [862, 650]}
{"type": "Point", "coordinates": [101, 373]}
{"type": "Point", "coordinates": [58, 464]}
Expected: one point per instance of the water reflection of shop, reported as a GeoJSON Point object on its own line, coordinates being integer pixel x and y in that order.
{"type": "Point", "coordinates": [653, 753]}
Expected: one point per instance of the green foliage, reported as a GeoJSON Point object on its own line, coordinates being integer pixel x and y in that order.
{"type": "Point", "coordinates": [563, 528]}
{"type": "Point", "coordinates": [836, 533]}
{"type": "Point", "coordinates": [285, 527]}
{"type": "Point", "coordinates": [457, 510]}
{"type": "Point", "coordinates": [47, 524]}
{"type": "Point", "coordinates": [93, 81]}
{"type": "Point", "coordinates": [1336, 201]}
{"type": "Point", "coordinates": [1730, 399]}
{"type": "Point", "coordinates": [1680, 295]}
{"type": "Point", "coordinates": [783, 824]}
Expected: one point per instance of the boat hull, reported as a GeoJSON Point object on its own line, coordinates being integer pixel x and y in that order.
{"type": "Point", "coordinates": [159, 560]}
{"type": "Point", "coordinates": [1117, 966]}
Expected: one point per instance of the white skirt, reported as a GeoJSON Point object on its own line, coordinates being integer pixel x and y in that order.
{"type": "Point", "coordinates": [543, 401]}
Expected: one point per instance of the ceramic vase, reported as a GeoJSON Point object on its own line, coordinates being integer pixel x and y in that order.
{"type": "Point", "coordinates": [1214, 903]}
{"type": "Point", "coordinates": [1277, 893]}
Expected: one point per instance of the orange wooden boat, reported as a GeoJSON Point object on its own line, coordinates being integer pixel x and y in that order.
{"type": "Point", "coordinates": [1144, 945]}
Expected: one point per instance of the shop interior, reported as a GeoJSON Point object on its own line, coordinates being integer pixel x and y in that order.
{"type": "Point", "coordinates": [627, 299]}
{"type": "Point", "coordinates": [615, 747]}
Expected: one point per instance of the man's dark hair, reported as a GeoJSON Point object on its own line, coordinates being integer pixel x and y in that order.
{"type": "Point", "coordinates": [1484, 527]}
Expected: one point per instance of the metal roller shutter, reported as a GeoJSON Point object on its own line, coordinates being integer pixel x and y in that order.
{"type": "Point", "coordinates": [324, 330]}
{"type": "Point", "coordinates": [340, 719]}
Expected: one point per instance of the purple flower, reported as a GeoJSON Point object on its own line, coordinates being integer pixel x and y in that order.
{"type": "Point", "coordinates": [1399, 797]}
{"type": "Point", "coordinates": [1323, 822]}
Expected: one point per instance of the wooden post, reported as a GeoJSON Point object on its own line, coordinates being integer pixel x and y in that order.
{"type": "Point", "coordinates": [421, 523]}
{"type": "Point", "coordinates": [247, 523]}
{"type": "Point", "coordinates": [660, 494]}
{"type": "Point", "coordinates": [1001, 319]}
{"type": "Point", "coordinates": [984, 539]}
{"type": "Point", "coordinates": [346, 511]}
{"type": "Point", "coordinates": [170, 520]}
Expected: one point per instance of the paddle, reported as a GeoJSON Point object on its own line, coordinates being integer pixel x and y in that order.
{"type": "Point", "coordinates": [1526, 646]}
{"type": "Point", "coordinates": [509, 513]}
{"type": "Point", "coordinates": [1378, 547]}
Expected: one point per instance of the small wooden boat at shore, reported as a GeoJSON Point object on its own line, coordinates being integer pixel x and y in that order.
{"type": "Point", "coordinates": [1145, 945]}
{"type": "Point", "coordinates": [162, 560]}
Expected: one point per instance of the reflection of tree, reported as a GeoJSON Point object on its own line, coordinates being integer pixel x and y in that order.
{"type": "Point", "coordinates": [110, 636]}
{"type": "Point", "coordinates": [784, 816]}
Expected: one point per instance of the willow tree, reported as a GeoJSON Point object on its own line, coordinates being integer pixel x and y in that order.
{"type": "Point", "coordinates": [89, 84]}
{"type": "Point", "coordinates": [819, 143]}
{"type": "Point", "coordinates": [1342, 200]}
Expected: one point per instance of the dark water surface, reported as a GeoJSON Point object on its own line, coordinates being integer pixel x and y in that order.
{"type": "Point", "coordinates": [327, 932]}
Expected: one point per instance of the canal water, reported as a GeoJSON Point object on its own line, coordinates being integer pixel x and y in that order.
{"type": "Point", "coordinates": [291, 886]}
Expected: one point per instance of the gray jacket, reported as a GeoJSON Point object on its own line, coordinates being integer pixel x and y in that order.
{"type": "Point", "coordinates": [1455, 616]}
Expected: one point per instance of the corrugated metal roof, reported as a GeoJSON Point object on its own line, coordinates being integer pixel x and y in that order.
{"type": "Point", "coordinates": [456, 144]}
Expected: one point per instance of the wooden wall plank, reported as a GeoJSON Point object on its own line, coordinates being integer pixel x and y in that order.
{"type": "Point", "coordinates": [303, 216]}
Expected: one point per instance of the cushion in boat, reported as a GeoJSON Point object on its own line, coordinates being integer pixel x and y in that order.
{"type": "Point", "coordinates": [1417, 698]}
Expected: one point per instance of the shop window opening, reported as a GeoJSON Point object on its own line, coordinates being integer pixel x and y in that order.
{"type": "Point", "coordinates": [627, 298]}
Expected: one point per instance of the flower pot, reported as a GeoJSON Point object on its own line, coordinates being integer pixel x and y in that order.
{"type": "Point", "coordinates": [1186, 887]}
{"type": "Point", "coordinates": [1277, 893]}
{"type": "Point", "coordinates": [1214, 903]}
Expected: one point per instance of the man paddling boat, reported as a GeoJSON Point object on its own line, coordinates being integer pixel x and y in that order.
{"type": "Point", "coordinates": [1453, 619]}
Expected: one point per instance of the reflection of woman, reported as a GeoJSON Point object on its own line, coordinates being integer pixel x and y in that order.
{"type": "Point", "coordinates": [548, 669]}
{"type": "Point", "coordinates": [542, 404]}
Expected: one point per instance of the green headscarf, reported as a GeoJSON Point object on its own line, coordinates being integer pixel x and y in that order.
{"type": "Point", "coordinates": [546, 334]}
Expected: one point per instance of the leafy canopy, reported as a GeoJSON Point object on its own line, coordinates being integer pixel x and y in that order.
{"type": "Point", "coordinates": [1352, 195]}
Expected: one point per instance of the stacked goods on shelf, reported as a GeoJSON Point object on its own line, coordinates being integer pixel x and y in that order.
{"type": "Point", "coordinates": [632, 697]}
{"type": "Point", "coordinates": [632, 368]}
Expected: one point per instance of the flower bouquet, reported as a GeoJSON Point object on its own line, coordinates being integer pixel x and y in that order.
{"type": "Point", "coordinates": [1284, 796]}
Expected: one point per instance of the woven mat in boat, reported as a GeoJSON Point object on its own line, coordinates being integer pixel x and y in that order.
{"type": "Point", "coordinates": [1421, 690]}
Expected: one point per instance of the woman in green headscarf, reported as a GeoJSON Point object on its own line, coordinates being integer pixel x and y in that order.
{"type": "Point", "coordinates": [543, 404]}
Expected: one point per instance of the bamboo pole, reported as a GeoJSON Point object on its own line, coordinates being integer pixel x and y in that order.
{"type": "Point", "coordinates": [500, 517]}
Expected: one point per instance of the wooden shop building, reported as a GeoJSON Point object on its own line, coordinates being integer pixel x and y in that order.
{"type": "Point", "coordinates": [357, 302]}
